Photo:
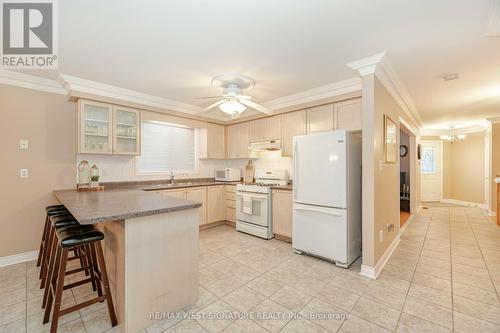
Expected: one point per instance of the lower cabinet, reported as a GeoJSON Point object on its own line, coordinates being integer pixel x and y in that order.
{"type": "Point", "coordinates": [231, 203]}
{"type": "Point", "coordinates": [282, 214]}
{"type": "Point", "coordinates": [216, 203]}
{"type": "Point", "coordinates": [199, 194]}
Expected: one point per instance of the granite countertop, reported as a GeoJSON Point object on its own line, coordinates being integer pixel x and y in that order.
{"type": "Point", "coordinates": [282, 187]}
{"type": "Point", "coordinates": [119, 204]}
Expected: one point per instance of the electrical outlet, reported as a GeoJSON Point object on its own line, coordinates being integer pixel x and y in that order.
{"type": "Point", "coordinates": [23, 173]}
{"type": "Point", "coordinates": [23, 144]}
{"type": "Point", "coordinates": [381, 236]}
{"type": "Point", "coordinates": [390, 227]}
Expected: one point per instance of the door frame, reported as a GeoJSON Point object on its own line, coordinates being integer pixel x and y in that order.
{"type": "Point", "coordinates": [441, 180]}
{"type": "Point", "coordinates": [414, 165]}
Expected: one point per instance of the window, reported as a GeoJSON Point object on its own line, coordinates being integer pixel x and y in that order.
{"type": "Point", "coordinates": [166, 147]}
{"type": "Point", "coordinates": [428, 162]}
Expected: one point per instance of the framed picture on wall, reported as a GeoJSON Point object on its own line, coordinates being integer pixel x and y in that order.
{"type": "Point", "coordinates": [390, 140]}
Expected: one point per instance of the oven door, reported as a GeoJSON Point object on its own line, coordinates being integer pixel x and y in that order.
{"type": "Point", "coordinates": [252, 208]}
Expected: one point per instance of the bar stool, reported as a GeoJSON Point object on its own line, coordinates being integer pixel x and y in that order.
{"type": "Point", "coordinates": [70, 237]}
{"type": "Point", "coordinates": [55, 221]}
{"type": "Point", "coordinates": [50, 211]}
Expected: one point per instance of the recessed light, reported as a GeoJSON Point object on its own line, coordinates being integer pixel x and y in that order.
{"type": "Point", "coordinates": [447, 76]}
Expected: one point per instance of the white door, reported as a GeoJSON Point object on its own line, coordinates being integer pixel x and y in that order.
{"type": "Point", "coordinates": [320, 169]}
{"type": "Point", "coordinates": [320, 231]}
{"type": "Point", "coordinates": [431, 175]}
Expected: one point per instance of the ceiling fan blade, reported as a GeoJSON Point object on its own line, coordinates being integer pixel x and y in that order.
{"type": "Point", "coordinates": [256, 106]}
{"type": "Point", "coordinates": [209, 97]}
{"type": "Point", "coordinates": [211, 106]}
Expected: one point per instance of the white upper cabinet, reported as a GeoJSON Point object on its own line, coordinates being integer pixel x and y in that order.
{"type": "Point", "coordinates": [349, 115]}
{"type": "Point", "coordinates": [95, 128]}
{"type": "Point", "coordinates": [238, 140]}
{"type": "Point", "coordinates": [107, 129]}
{"type": "Point", "coordinates": [294, 123]}
{"type": "Point", "coordinates": [126, 138]}
{"type": "Point", "coordinates": [264, 129]}
{"type": "Point", "coordinates": [320, 118]}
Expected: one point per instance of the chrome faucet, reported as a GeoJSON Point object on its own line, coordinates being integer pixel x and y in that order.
{"type": "Point", "coordinates": [188, 177]}
{"type": "Point", "coordinates": [172, 177]}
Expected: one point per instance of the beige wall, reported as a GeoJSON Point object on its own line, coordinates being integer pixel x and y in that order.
{"type": "Point", "coordinates": [48, 121]}
{"type": "Point", "coordinates": [463, 169]}
{"type": "Point", "coordinates": [380, 179]}
{"type": "Point", "coordinates": [495, 163]}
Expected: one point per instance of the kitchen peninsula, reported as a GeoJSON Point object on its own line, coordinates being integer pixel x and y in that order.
{"type": "Point", "coordinates": [150, 245]}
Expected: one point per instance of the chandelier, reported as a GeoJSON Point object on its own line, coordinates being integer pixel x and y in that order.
{"type": "Point", "coordinates": [451, 138]}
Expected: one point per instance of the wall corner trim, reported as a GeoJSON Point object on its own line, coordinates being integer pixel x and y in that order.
{"type": "Point", "coordinates": [18, 258]}
{"type": "Point", "coordinates": [379, 65]}
{"type": "Point", "coordinates": [374, 272]}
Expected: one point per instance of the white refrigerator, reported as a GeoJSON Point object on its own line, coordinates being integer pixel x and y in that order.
{"type": "Point", "coordinates": [327, 195]}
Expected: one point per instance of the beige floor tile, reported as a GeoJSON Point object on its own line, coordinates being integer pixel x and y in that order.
{"type": "Point", "coordinates": [243, 299]}
{"type": "Point", "coordinates": [434, 313]}
{"type": "Point", "coordinates": [217, 316]}
{"type": "Point", "coordinates": [323, 314]}
{"type": "Point", "coordinates": [223, 286]}
{"type": "Point", "coordinates": [376, 313]}
{"type": "Point", "coordinates": [355, 283]}
{"type": "Point", "coordinates": [291, 298]}
{"type": "Point", "coordinates": [398, 272]}
{"type": "Point", "coordinates": [411, 324]}
{"type": "Point", "coordinates": [338, 297]}
{"type": "Point", "coordinates": [301, 326]}
{"type": "Point", "coordinates": [432, 282]}
{"type": "Point", "coordinates": [12, 312]}
{"type": "Point", "coordinates": [467, 324]}
{"type": "Point", "coordinates": [431, 295]}
{"type": "Point", "coordinates": [97, 322]}
{"type": "Point", "coordinates": [244, 326]}
{"type": "Point", "coordinates": [438, 263]}
{"type": "Point", "coordinates": [166, 323]}
{"type": "Point", "coordinates": [477, 294]}
{"type": "Point", "coordinates": [270, 315]}
{"type": "Point", "coordinates": [386, 296]}
{"type": "Point", "coordinates": [264, 286]}
{"type": "Point", "coordinates": [477, 309]}
{"type": "Point", "coordinates": [186, 326]}
{"type": "Point", "coordinates": [205, 297]}
{"type": "Point", "coordinates": [473, 280]}
{"type": "Point", "coordinates": [307, 285]}
{"type": "Point", "coordinates": [476, 271]}
{"type": "Point", "coordinates": [390, 282]}
{"type": "Point", "coordinates": [357, 325]}
{"type": "Point", "coordinates": [445, 274]}
{"type": "Point", "coordinates": [17, 326]}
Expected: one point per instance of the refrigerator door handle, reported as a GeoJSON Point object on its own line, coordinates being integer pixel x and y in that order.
{"type": "Point", "coordinates": [318, 210]}
{"type": "Point", "coordinates": [295, 170]}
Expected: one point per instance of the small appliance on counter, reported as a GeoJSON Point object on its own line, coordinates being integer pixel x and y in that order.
{"type": "Point", "coordinates": [254, 204]}
{"type": "Point", "coordinates": [228, 175]}
{"type": "Point", "coordinates": [249, 173]}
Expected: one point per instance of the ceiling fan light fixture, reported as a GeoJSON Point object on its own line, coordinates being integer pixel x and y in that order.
{"type": "Point", "coordinates": [232, 107]}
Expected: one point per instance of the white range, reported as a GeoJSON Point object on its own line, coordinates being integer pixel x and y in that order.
{"type": "Point", "coordinates": [253, 203]}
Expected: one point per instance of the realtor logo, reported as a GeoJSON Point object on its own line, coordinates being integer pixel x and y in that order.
{"type": "Point", "coordinates": [29, 39]}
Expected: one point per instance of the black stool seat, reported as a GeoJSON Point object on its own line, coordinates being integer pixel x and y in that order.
{"type": "Point", "coordinates": [78, 235]}
{"type": "Point", "coordinates": [55, 207]}
{"type": "Point", "coordinates": [59, 221]}
{"type": "Point", "coordinates": [57, 212]}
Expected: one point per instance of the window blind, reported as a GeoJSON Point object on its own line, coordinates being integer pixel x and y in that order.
{"type": "Point", "coordinates": [166, 147]}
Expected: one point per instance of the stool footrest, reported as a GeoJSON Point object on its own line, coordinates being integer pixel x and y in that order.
{"type": "Point", "coordinates": [82, 305]}
{"type": "Point", "coordinates": [76, 284]}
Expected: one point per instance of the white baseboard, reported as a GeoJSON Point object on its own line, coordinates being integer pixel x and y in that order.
{"type": "Point", "coordinates": [408, 221]}
{"type": "Point", "coordinates": [464, 203]}
{"type": "Point", "coordinates": [373, 272]}
{"type": "Point", "coordinates": [492, 213]}
{"type": "Point", "coordinates": [18, 258]}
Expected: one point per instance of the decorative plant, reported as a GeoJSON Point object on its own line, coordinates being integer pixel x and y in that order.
{"type": "Point", "coordinates": [94, 178]}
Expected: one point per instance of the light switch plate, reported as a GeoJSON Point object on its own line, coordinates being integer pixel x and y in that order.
{"type": "Point", "coordinates": [23, 173]}
{"type": "Point", "coordinates": [381, 236]}
{"type": "Point", "coordinates": [23, 144]}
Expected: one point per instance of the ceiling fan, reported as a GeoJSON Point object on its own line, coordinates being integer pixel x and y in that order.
{"type": "Point", "coordinates": [233, 102]}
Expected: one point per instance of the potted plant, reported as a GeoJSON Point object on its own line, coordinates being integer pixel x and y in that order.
{"type": "Point", "coordinates": [94, 181]}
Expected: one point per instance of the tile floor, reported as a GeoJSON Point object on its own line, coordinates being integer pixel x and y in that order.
{"type": "Point", "coordinates": [444, 276]}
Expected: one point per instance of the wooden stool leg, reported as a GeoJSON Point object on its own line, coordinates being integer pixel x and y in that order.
{"type": "Point", "coordinates": [48, 294]}
{"type": "Point", "coordinates": [86, 250]}
{"type": "Point", "coordinates": [105, 281]}
{"type": "Point", "coordinates": [59, 290]}
{"type": "Point", "coordinates": [95, 266]}
{"type": "Point", "coordinates": [46, 279]}
{"type": "Point", "coordinates": [43, 243]}
{"type": "Point", "coordinates": [46, 255]}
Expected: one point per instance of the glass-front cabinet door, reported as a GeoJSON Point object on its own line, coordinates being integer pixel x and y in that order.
{"type": "Point", "coordinates": [126, 131]}
{"type": "Point", "coordinates": [95, 132]}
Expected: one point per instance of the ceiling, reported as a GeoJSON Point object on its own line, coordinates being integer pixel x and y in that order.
{"type": "Point", "coordinates": [172, 49]}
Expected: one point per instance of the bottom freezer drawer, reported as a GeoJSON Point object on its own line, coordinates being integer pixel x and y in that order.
{"type": "Point", "coordinates": [320, 231]}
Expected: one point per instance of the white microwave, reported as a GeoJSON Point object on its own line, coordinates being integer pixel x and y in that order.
{"type": "Point", "coordinates": [228, 175]}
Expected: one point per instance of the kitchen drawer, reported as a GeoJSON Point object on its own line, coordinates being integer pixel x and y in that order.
{"type": "Point", "coordinates": [231, 204]}
{"type": "Point", "coordinates": [231, 188]}
{"type": "Point", "coordinates": [231, 214]}
{"type": "Point", "coordinates": [230, 196]}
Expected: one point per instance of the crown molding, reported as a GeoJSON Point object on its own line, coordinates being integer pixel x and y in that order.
{"type": "Point", "coordinates": [22, 80]}
{"type": "Point", "coordinates": [319, 93]}
{"type": "Point", "coordinates": [78, 85]}
{"type": "Point", "coordinates": [469, 129]}
{"type": "Point", "coordinates": [380, 66]}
